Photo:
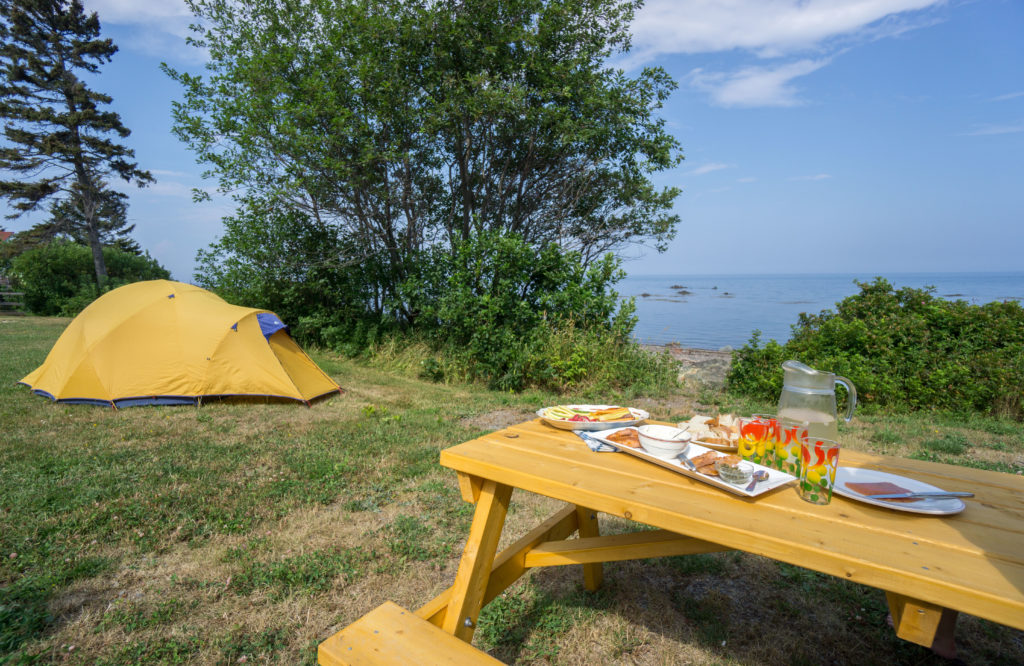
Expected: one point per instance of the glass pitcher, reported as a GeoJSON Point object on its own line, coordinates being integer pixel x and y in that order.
{"type": "Point", "coordinates": [810, 395]}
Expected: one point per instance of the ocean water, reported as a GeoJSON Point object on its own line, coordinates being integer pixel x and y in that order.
{"type": "Point", "coordinates": [723, 310]}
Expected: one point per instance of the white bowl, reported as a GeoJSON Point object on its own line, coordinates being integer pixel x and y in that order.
{"type": "Point", "coordinates": [663, 441]}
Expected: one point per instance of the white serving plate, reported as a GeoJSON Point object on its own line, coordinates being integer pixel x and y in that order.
{"type": "Point", "coordinates": [776, 479]}
{"type": "Point", "coordinates": [564, 424]}
{"type": "Point", "coordinates": [930, 506]}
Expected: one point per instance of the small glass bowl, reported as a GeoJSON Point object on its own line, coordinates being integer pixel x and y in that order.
{"type": "Point", "coordinates": [736, 474]}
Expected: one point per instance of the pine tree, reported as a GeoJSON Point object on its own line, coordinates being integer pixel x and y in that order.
{"type": "Point", "coordinates": [112, 226]}
{"type": "Point", "coordinates": [57, 141]}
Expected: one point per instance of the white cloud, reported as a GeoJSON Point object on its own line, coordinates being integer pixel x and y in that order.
{"type": "Point", "coordinates": [817, 176]}
{"type": "Point", "coordinates": [769, 28]}
{"type": "Point", "coordinates": [158, 27]}
{"type": "Point", "coordinates": [165, 188]}
{"type": "Point", "coordinates": [708, 168]}
{"type": "Point", "coordinates": [173, 15]}
{"type": "Point", "coordinates": [755, 86]}
{"type": "Point", "coordinates": [170, 174]}
{"type": "Point", "coordinates": [766, 29]}
{"type": "Point", "coordinates": [1003, 98]}
{"type": "Point", "coordinates": [988, 130]}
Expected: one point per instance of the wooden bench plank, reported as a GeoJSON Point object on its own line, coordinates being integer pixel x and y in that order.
{"type": "Point", "coordinates": [390, 634]}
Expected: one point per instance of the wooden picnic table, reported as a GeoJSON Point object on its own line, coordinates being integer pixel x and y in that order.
{"type": "Point", "coordinates": [929, 566]}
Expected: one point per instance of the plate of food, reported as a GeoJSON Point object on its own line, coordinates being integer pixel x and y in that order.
{"type": "Point", "coordinates": [859, 484]}
{"type": "Point", "coordinates": [711, 465]}
{"type": "Point", "coordinates": [714, 432]}
{"type": "Point", "coordinates": [591, 417]}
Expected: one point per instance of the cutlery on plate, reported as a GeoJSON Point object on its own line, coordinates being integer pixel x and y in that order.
{"type": "Point", "coordinates": [595, 444]}
{"type": "Point", "coordinates": [687, 463]}
{"type": "Point", "coordinates": [932, 494]}
{"type": "Point", "coordinates": [759, 475]}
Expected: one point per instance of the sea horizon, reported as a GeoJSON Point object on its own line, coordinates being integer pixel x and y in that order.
{"type": "Point", "coordinates": [722, 310]}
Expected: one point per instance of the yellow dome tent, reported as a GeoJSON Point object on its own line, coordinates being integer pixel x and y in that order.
{"type": "Point", "coordinates": [163, 342]}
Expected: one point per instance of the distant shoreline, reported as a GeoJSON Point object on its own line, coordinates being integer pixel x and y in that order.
{"type": "Point", "coordinates": [722, 310]}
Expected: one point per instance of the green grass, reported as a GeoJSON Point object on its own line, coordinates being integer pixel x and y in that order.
{"type": "Point", "coordinates": [88, 490]}
{"type": "Point", "coordinates": [180, 535]}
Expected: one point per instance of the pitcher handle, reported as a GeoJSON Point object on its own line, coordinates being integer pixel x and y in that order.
{"type": "Point", "coordinates": [851, 396]}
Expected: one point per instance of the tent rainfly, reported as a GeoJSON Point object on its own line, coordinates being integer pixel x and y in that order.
{"type": "Point", "coordinates": [168, 343]}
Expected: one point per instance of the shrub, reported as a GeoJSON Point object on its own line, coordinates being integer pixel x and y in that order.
{"type": "Point", "coordinates": [904, 349]}
{"type": "Point", "coordinates": [59, 278]}
{"type": "Point", "coordinates": [516, 317]}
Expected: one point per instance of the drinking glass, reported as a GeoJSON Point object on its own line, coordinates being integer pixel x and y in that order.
{"type": "Point", "coordinates": [819, 459]}
{"type": "Point", "coordinates": [787, 446]}
{"type": "Point", "coordinates": [757, 438]}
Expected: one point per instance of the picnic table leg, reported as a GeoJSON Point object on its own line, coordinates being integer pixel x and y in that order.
{"type": "Point", "coordinates": [593, 574]}
{"type": "Point", "coordinates": [477, 560]}
{"type": "Point", "coordinates": [923, 623]}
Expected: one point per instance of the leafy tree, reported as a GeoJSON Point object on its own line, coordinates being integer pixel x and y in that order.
{"type": "Point", "coordinates": [404, 127]}
{"type": "Point", "coordinates": [321, 299]}
{"type": "Point", "coordinates": [55, 130]}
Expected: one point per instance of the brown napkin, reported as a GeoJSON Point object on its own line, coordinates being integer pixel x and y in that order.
{"type": "Point", "coordinates": [881, 488]}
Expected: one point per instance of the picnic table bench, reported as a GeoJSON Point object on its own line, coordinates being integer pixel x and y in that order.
{"type": "Point", "coordinates": [8, 305]}
{"type": "Point", "coordinates": [929, 567]}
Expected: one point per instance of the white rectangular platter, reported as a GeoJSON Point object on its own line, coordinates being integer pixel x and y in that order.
{"type": "Point", "coordinates": [776, 479]}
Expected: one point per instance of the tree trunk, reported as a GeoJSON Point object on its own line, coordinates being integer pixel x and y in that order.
{"type": "Point", "coordinates": [88, 193]}
{"type": "Point", "coordinates": [88, 201]}
{"type": "Point", "coordinates": [94, 244]}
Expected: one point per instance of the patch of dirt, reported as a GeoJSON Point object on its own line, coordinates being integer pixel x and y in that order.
{"type": "Point", "coordinates": [497, 420]}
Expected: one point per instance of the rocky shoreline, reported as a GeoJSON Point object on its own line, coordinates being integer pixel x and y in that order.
{"type": "Point", "coordinates": [705, 366]}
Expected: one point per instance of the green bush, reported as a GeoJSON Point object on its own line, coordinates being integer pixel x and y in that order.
{"type": "Point", "coordinates": [59, 278]}
{"type": "Point", "coordinates": [515, 317]}
{"type": "Point", "coordinates": [904, 349]}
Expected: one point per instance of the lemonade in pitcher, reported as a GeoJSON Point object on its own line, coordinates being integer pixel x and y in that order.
{"type": "Point", "coordinates": [810, 395]}
{"type": "Point", "coordinates": [819, 424]}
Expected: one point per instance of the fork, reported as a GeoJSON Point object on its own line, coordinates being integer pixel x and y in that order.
{"type": "Point", "coordinates": [686, 462]}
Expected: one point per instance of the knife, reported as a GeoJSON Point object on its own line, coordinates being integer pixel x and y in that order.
{"type": "Point", "coordinates": [932, 494]}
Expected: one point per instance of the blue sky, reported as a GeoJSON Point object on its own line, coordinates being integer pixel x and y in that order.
{"type": "Point", "coordinates": [873, 136]}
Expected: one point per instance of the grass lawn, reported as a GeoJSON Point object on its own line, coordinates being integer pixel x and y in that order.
{"type": "Point", "coordinates": [249, 533]}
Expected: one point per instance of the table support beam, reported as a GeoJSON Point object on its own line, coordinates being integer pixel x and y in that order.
{"type": "Point", "coordinates": [469, 487]}
{"type": "Point", "coordinates": [593, 572]}
{"type": "Point", "coordinates": [618, 547]}
{"type": "Point", "coordinates": [477, 559]}
{"type": "Point", "coordinates": [509, 565]}
{"type": "Point", "coordinates": [918, 621]}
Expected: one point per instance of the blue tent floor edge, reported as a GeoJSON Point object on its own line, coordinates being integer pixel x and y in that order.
{"type": "Point", "coordinates": [142, 401]}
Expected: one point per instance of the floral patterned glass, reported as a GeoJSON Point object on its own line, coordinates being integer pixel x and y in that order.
{"type": "Point", "coordinates": [819, 459]}
{"type": "Point", "coordinates": [757, 438]}
{"type": "Point", "coordinates": [787, 446]}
